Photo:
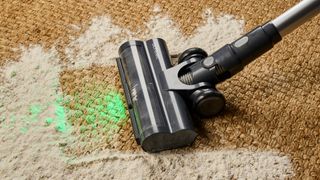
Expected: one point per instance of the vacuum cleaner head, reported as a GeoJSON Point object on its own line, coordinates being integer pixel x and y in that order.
{"type": "Point", "coordinates": [161, 98]}
{"type": "Point", "coordinates": [160, 117]}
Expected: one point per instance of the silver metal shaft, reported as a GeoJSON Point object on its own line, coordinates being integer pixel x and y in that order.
{"type": "Point", "coordinates": [296, 16]}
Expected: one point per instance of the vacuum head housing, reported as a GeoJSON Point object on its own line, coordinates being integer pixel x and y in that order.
{"type": "Point", "coordinates": [160, 117]}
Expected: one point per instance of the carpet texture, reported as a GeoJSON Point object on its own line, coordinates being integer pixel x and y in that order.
{"type": "Point", "coordinates": [273, 104]}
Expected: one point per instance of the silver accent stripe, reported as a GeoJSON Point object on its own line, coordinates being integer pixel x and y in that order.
{"type": "Point", "coordinates": [144, 87]}
{"type": "Point", "coordinates": [156, 43]}
{"type": "Point", "coordinates": [157, 83]}
{"type": "Point", "coordinates": [173, 98]}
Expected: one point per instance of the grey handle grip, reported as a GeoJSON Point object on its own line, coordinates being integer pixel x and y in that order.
{"type": "Point", "coordinates": [231, 58]}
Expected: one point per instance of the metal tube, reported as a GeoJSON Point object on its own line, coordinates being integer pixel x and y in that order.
{"type": "Point", "coordinates": [296, 16]}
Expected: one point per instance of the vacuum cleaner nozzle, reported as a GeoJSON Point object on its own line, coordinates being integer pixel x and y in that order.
{"type": "Point", "coordinates": [160, 117]}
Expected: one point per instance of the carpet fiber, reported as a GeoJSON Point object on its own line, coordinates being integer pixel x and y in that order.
{"type": "Point", "coordinates": [273, 104]}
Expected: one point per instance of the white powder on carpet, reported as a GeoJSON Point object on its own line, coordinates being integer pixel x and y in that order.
{"type": "Point", "coordinates": [30, 86]}
{"type": "Point", "coordinates": [100, 42]}
{"type": "Point", "coordinates": [33, 81]}
{"type": "Point", "coordinates": [224, 164]}
{"type": "Point", "coordinates": [28, 94]}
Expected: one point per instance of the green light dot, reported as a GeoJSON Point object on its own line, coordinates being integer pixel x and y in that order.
{"type": "Point", "coordinates": [90, 119]}
{"type": "Point", "coordinates": [60, 112]}
{"type": "Point", "coordinates": [61, 127]}
{"type": "Point", "coordinates": [49, 121]}
{"type": "Point", "coordinates": [104, 123]}
{"type": "Point", "coordinates": [100, 108]}
{"type": "Point", "coordinates": [103, 115]}
{"type": "Point", "coordinates": [77, 106]}
{"type": "Point", "coordinates": [59, 100]}
{"type": "Point", "coordinates": [91, 110]}
{"type": "Point", "coordinates": [23, 129]}
{"type": "Point", "coordinates": [78, 113]}
{"type": "Point", "coordinates": [35, 110]}
{"type": "Point", "coordinates": [107, 98]}
{"type": "Point", "coordinates": [110, 106]}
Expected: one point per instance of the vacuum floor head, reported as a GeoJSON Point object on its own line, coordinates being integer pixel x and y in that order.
{"type": "Point", "coordinates": [160, 117]}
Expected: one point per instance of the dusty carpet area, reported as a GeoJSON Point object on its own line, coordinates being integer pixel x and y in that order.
{"type": "Point", "coordinates": [62, 108]}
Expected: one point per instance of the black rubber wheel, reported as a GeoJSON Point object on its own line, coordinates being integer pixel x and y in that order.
{"type": "Point", "coordinates": [207, 102]}
{"type": "Point", "coordinates": [192, 52]}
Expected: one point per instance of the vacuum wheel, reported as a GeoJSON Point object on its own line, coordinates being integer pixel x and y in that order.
{"type": "Point", "coordinates": [207, 102]}
{"type": "Point", "coordinates": [192, 53]}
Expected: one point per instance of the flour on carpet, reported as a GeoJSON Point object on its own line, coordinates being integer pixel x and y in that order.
{"type": "Point", "coordinates": [34, 127]}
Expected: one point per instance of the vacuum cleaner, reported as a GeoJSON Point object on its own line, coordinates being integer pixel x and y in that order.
{"type": "Point", "coordinates": [163, 100]}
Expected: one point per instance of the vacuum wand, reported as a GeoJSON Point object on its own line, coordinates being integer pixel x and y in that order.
{"type": "Point", "coordinates": [232, 58]}
{"type": "Point", "coordinates": [297, 15]}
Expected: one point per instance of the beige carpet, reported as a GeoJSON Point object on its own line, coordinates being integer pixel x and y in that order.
{"type": "Point", "coordinates": [272, 105]}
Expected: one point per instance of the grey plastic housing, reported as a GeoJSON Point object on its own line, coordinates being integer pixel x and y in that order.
{"type": "Point", "coordinates": [160, 117]}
